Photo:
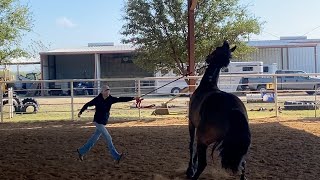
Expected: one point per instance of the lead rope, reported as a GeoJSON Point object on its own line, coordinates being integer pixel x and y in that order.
{"type": "Point", "coordinates": [138, 101]}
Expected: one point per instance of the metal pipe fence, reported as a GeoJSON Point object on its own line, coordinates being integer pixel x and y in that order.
{"type": "Point", "coordinates": [62, 99]}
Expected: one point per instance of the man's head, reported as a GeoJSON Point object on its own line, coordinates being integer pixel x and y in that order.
{"type": "Point", "coordinates": [105, 90]}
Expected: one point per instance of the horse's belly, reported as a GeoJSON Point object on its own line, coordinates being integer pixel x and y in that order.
{"type": "Point", "coordinates": [194, 109]}
{"type": "Point", "coordinates": [208, 134]}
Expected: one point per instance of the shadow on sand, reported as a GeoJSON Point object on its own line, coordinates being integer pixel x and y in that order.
{"type": "Point", "coordinates": [46, 150]}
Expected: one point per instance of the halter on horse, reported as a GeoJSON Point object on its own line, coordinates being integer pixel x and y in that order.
{"type": "Point", "coordinates": [219, 118]}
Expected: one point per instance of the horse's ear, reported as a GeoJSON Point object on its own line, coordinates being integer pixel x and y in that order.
{"type": "Point", "coordinates": [234, 48]}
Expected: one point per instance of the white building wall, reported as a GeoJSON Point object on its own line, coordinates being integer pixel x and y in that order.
{"type": "Point", "coordinates": [284, 63]}
{"type": "Point", "coordinates": [317, 55]}
{"type": "Point", "coordinates": [45, 67]}
{"type": "Point", "coordinates": [302, 58]}
{"type": "Point", "coordinates": [268, 56]}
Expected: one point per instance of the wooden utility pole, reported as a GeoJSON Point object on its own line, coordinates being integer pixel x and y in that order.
{"type": "Point", "coordinates": [191, 40]}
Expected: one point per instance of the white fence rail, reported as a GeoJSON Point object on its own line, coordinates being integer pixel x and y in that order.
{"type": "Point", "coordinates": [70, 95]}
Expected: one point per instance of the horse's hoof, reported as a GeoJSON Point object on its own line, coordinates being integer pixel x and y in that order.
{"type": "Point", "coordinates": [242, 177]}
{"type": "Point", "coordinates": [189, 173]}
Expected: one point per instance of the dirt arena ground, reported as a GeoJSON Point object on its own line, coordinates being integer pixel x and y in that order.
{"type": "Point", "coordinates": [156, 149]}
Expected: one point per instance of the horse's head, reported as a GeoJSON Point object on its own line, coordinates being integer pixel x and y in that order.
{"type": "Point", "coordinates": [221, 55]}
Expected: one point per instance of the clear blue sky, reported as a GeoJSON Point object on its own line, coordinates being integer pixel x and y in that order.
{"type": "Point", "coordinates": [74, 23]}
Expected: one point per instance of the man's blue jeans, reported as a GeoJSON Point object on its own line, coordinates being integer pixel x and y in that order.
{"type": "Point", "coordinates": [100, 129]}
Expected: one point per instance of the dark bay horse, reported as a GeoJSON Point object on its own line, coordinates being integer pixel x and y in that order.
{"type": "Point", "coordinates": [219, 118]}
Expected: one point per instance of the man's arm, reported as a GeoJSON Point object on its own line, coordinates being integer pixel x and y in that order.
{"type": "Point", "coordinates": [85, 106]}
{"type": "Point", "coordinates": [124, 99]}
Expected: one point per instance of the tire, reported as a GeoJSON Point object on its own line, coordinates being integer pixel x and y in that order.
{"type": "Point", "coordinates": [4, 102]}
{"type": "Point", "coordinates": [26, 100]}
{"type": "Point", "coordinates": [262, 88]}
{"type": "Point", "coordinates": [17, 104]}
{"type": "Point", "coordinates": [244, 84]}
{"type": "Point", "coordinates": [310, 92]}
{"type": "Point", "coordinates": [175, 91]}
{"type": "Point", "coordinates": [299, 105]}
{"type": "Point", "coordinates": [317, 89]}
{"type": "Point", "coordinates": [30, 104]}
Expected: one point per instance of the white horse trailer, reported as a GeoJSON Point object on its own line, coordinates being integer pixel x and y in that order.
{"type": "Point", "coordinates": [230, 77]}
{"type": "Point", "coordinates": [229, 81]}
{"type": "Point", "coordinates": [173, 88]}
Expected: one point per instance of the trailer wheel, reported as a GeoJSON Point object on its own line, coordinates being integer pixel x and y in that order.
{"type": "Point", "coordinates": [175, 91]}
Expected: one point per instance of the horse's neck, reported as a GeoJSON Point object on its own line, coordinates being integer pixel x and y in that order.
{"type": "Point", "coordinates": [210, 78]}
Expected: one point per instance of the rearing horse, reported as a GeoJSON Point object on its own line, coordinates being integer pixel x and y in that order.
{"type": "Point", "coordinates": [217, 117]}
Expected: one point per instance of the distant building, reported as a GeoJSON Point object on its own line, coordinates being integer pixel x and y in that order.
{"type": "Point", "coordinates": [106, 60]}
{"type": "Point", "coordinates": [294, 53]}
{"type": "Point", "coordinates": [97, 61]}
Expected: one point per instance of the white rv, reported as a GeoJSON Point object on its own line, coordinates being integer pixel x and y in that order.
{"type": "Point", "coordinates": [172, 87]}
{"type": "Point", "coordinates": [229, 80]}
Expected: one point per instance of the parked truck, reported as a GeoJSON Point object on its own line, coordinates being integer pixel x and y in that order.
{"type": "Point", "coordinates": [301, 81]}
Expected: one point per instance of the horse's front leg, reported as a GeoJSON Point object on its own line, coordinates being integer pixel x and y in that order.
{"type": "Point", "coordinates": [243, 171]}
{"type": "Point", "coordinates": [193, 158]}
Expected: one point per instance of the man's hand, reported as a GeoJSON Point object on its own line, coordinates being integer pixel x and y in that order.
{"type": "Point", "coordinates": [137, 98]}
{"type": "Point", "coordinates": [79, 114]}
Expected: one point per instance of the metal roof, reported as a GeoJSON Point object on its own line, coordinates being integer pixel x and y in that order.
{"type": "Point", "coordinates": [108, 49]}
{"type": "Point", "coordinates": [285, 43]}
{"type": "Point", "coordinates": [22, 61]}
{"type": "Point", "coordinates": [91, 50]}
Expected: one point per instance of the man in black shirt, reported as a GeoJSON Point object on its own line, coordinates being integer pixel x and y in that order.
{"type": "Point", "coordinates": [102, 104]}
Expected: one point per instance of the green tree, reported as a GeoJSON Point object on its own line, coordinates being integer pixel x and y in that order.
{"type": "Point", "coordinates": [158, 28]}
{"type": "Point", "coordinates": [15, 21]}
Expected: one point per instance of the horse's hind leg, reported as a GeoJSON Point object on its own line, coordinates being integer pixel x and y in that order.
{"type": "Point", "coordinates": [202, 159]}
{"type": "Point", "coordinates": [190, 170]}
{"type": "Point", "coordinates": [243, 171]}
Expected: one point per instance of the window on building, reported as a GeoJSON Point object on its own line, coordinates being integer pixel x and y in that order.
{"type": "Point", "coordinates": [247, 68]}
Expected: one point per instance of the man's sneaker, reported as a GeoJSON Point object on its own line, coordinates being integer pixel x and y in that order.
{"type": "Point", "coordinates": [80, 155]}
{"type": "Point", "coordinates": [121, 157]}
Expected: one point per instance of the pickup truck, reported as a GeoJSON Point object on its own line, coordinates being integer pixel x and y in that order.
{"type": "Point", "coordinates": [299, 82]}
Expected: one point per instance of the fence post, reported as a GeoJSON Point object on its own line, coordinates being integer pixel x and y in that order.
{"type": "Point", "coordinates": [315, 101]}
{"type": "Point", "coordinates": [139, 95]}
{"type": "Point", "coordinates": [10, 102]}
{"type": "Point", "coordinates": [1, 101]}
{"type": "Point", "coordinates": [71, 94]}
{"type": "Point", "coordinates": [275, 80]}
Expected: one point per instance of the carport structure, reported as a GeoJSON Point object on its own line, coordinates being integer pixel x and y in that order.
{"type": "Point", "coordinates": [96, 61]}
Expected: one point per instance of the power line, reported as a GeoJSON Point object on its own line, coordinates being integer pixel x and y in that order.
{"type": "Point", "coordinates": [271, 34]}
{"type": "Point", "coordinates": [311, 30]}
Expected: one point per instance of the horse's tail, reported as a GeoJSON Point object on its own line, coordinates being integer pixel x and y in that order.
{"type": "Point", "coordinates": [236, 142]}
